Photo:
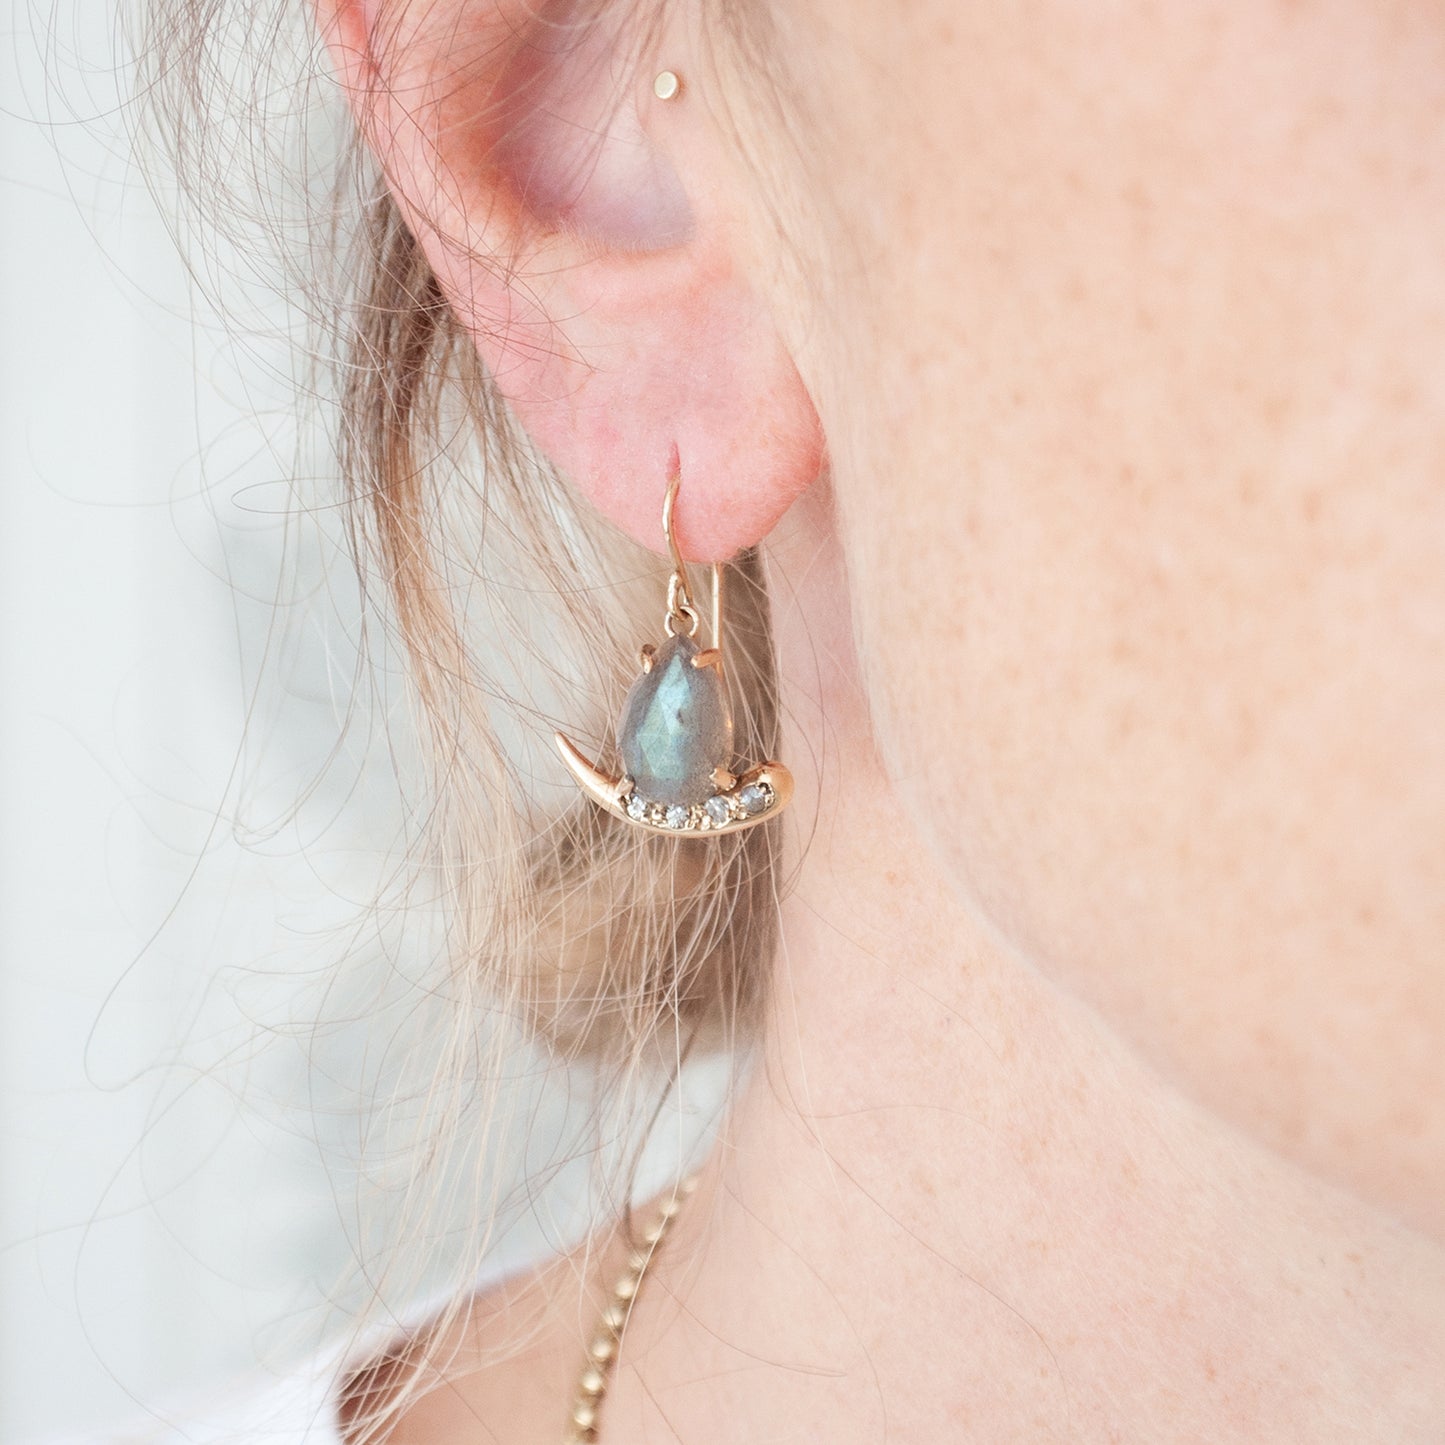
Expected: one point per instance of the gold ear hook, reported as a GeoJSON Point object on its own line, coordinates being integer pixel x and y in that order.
{"type": "Point", "coordinates": [679, 567]}
{"type": "Point", "coordinates": [680, 605]}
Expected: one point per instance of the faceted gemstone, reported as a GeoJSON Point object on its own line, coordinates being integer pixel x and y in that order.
{"type": "Point", "coordinates": [755, 797]}
{"type": "Point", "coordinates": [677, 815]}
{"type": "Point", "coordinates": [636, 806]}
{"type": "Point", "coordinates": [717, 808]}
{"type": "Point", "coordinates": [676, 726]}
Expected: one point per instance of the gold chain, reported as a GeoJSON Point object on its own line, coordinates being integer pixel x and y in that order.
{"type": "Point", "coordinates": [607, 1342]}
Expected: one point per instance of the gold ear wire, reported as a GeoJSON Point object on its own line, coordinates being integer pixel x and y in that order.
{"type": "Point", "coordinates": [681, 609]}
{"type": "Point", "coordinates": [667, 86]}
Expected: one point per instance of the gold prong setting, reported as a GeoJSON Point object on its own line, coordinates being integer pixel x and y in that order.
{"type": "Point", "coordinates": [749, 798]}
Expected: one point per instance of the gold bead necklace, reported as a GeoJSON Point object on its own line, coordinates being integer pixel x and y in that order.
{"type": "Point", "coordinates": [607, 1342]}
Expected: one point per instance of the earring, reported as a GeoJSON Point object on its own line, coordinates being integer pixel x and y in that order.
{"type": "Point", "coordinates": [676, 730]}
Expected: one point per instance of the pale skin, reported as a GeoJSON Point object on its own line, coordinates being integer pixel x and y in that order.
{"type": "Point", "coordinates": [1105, 1086]}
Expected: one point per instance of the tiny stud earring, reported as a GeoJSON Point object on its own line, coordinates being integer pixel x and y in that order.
{"type": "Point", "coordinates": [667, 86]}
{"type": "Point", "coordinates": [676, 730]}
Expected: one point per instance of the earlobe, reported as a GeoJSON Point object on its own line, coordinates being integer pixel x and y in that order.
{"type": "Point", "coordinates": [584, 230]}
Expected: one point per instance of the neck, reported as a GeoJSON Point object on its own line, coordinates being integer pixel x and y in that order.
{"type": "Point", "coordinates": [952, 1205]}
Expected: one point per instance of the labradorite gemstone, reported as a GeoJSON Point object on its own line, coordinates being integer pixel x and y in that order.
{"type": "Point", "coordinates": [676, 726]}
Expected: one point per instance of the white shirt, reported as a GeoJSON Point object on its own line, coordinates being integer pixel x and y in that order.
{"type": "Point", "coordinates": [299, 1406]}
{"type": "Point", "coordinates": [296, 1408]}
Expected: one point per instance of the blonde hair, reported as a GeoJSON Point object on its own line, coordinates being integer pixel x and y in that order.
{"type": "Point", "coordinates": [518, 609]}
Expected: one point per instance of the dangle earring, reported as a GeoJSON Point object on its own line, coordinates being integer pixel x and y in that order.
{"type": "Point", "coordinates": [676, 731]}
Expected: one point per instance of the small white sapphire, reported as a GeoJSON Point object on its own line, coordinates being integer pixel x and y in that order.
{"type": "Point", "coordinates": [636, 807]}
{"type": "Point", "coordinates": [718, 809]}
{"type": "Point", "coordinates": [755, 797]}
{"type": "Point", "coordinates": [677, 816]}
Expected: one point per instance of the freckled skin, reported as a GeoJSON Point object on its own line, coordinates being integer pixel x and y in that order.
{"type": "Point", "coordinates": [1142, 487]}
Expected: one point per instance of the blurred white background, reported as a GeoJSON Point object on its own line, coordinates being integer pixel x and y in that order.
{"type": "Point", "coordinates": [164, 1213]}
{"type": "Point", "coordinates": [198, 807]}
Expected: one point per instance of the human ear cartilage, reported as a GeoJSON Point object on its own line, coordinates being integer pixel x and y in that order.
{"type": "Point", "coordinates": [676, 730]}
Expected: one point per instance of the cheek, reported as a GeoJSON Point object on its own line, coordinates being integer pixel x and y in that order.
{"type": "Point", "coordinates": [1153, 618]}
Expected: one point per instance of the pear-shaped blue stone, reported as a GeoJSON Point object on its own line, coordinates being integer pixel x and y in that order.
{"type": "Point", "coordinates": [676, 726]}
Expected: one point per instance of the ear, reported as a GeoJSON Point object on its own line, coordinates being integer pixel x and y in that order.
{"type": "Point", "coordinates": [592, 238]}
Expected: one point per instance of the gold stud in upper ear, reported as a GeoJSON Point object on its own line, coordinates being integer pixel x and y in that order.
{"type": "Point", "coordinates": [667, 86]}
